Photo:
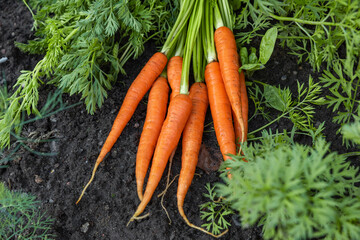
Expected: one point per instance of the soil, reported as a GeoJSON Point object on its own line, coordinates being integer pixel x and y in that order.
{"type": "Point", "coordinates": [111, 199]}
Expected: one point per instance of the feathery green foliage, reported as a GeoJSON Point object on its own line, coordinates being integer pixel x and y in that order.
{"type": "Point", "coordinates": [344, 83]}
{"type": "Point", "coordinates": [214, 212]}
{"type": "Point", "coordinates": [323, 33]}
{"type": "Point", "coordinates": [20, 217]}
{"type": "Point", "coordinates": [293, 191]}
{"type": "Point", "coordinates": [351, 131]}
{"type": "Point", "coordinates": [299, 109]}
{"type": "Point", "coordinates": [313, 30]}
{"type": "Point", "coordinates": [85, 45]}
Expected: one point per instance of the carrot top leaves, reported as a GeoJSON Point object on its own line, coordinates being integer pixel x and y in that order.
{"type": "Point", "coordinates": [301, 191]}
{"type": "Point", "coordinates": [193, 30]}
{"type": "Point", "coordinates": [83, 52]}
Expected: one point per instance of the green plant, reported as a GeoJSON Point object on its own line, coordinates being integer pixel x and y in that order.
{"type": "Point", "coordinates": [20, 217]}
{"type": "Point", "coordinates": [214, 212]}
{"type": "Point", "coordinates": [312, 30]}
{"type": "Point", "coordinates": [344, 83]}
{"type": "Point", "coordinates": [324, 33]}
{"type": "Point", "coordinates": [299, 109]}
{"type": "Point", "coordinates": [53, 105]}
{"type": "Point", "coordinates": [293, 191]}
{"type": "Point", "coordinates": [250, 62]}
{"type": "Point", "coordinates": [351, 131]}
{"type": "Point", "coordinates": [85, 44]}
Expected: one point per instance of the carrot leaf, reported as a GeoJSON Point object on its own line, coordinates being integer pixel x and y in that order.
{"type": "Point", "coordinates": [293, 191]}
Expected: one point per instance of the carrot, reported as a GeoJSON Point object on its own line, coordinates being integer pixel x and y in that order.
{"type": "Point", "coordinates": [191, 142]}
{"type": "Point", "coordinates": [136, 92]}
{"type": "Point", "coordinates": [174, 74]}
{"type": "Point", "coordinates": [220, 110]}
{"type": "Point", "coordinates": [244, 104]}
{"type": "Point", "coordinates": [229, 67]}
{"type": "Point", "coordinates": [156, 110]}
{"type": "Point", "coordinates": [245, 111]}
{"type": "Point", "coordinates": [178, 113]}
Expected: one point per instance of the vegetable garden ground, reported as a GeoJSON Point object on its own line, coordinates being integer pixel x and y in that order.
{"type": "Point", "coordinates": [111, 199]}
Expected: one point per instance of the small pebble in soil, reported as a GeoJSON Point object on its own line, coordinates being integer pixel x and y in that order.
{"type": "Point", "coordinates": [172, 236]}
{"type": "Point", "coordinates": [85, 227]}
{"type": "Point", "coordinates": [12, 34]}
{"type": "Point", "coordinates": [283, 77]}
{"type": "Point", "coordinates": [236, 220]}
{"type": "Point", "coordinates": [136, 125]}
{"type": "Point", "coordinates": [53, 119]}
{"type": "Point", "coordinates": [101, 143]}
{"type": "Point", "coordinates": [3, 59]}
{"type": "Point", "coordinates": [295, 72]}
{"type": "Point", "coordinates": [114, 153]}
{"type": "Point", "coordinates": [3, 51]}
{"type": "Point", "coordinates": [51, 200]}
{"type": "Point", "coordinates": [38, 179]}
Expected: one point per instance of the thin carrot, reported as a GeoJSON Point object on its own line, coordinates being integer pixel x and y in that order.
{"type": "Point", "coordinates": [229, 66]}
{"type": "Point", "coordinates": [136, 92]}
{"type": "Point", "coordinates": [155, 115]}
{"type": "Point", "coordinates": [178, 113]}
{"type": "Point", "coordinates": [244, 104]}
{"type": "Point", "coordinates": [220, 110]}
{"type": "Point", "coordinates": [245, 111]}
{"type": "Point", "coordinates": [174, 74]}
{"type": "Point", "coordinates": [191, 143]}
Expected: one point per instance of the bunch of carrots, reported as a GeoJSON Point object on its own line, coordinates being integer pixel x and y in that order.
{"type": "Point", "coordinates": [199, 34]}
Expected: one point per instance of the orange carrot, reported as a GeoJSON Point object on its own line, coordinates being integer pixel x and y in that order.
{"type": "Point", "coordinates": [136, 92]}
{"type": "Point", "coordinates": [244, 109]}
{"type": "Point", "coordinates": [220, 110]}
{"type": "Point", "coordinates": [178, 113]}
{"type": "Point", "coordinates": [174, 75]}
{"type": "Point", "coordinates": [191, 142]}
{"type": "Point", "coordinates": [229, 66]}
{"type": "Point", "coordinates": [244, 104]}
{"type": "Point", "coordinates": [155, 115]}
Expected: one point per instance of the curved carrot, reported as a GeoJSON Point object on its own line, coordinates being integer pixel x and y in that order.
{"type": "Point", "coordinates": [136, 92]}
{"type": "Point", "coordinates": [174, 69]}
{"type": "Point", "coordinates": [220, 110]}
{"type": "Point", "coordinates": [155, 115]}
{"type": "Point", "coordinates": [178, 113]}
{"type": "Point", "coordinates": [191, 142]}
{"type": "Point", "coordinates": [229, 66]}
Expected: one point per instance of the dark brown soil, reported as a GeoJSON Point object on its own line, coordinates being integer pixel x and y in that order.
{"type": "Point", "coordinates": [111, 199]}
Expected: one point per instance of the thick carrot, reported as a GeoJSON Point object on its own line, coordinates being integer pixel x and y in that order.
{"type": "Point", "coordinates": [174, 75]}
{"type": "Point", "coordinates": [229, 66]}
{"type": "Point", "coordinates": [178, 113]}
{"type": "Point", "coordinates": [136, 92]}
{"type": "Point", "coordinates": [191, 142]}
{"type": "Point", "coordinates": [220, 110]}
{"type": "Point", "coordinates": [155, 115]}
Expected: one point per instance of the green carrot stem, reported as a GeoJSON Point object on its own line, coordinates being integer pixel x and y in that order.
{"type": "Point", "coordinates": [226, 13]}
{"type": "Point", "coordinates": [218, 20]}
{"type": "Point", "coordinates": [208, 33]}
{"type": "Point", "coordinates": [193, 30]}
{"type": "Point", "coordinates": [198, 60]}
{"type": "Point", "coordinates": [181, 42]}
{"type": "Point", "coordinates": [184, 14]}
